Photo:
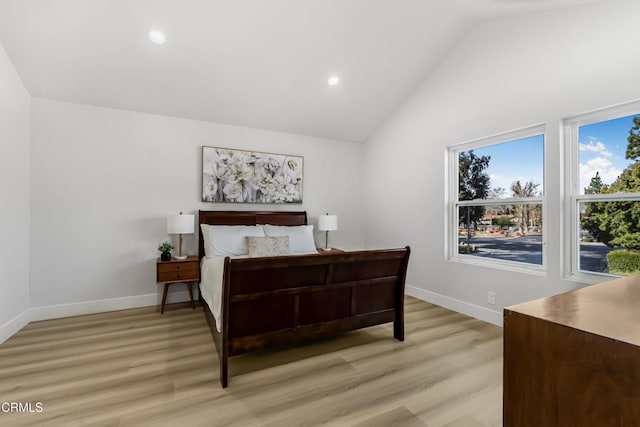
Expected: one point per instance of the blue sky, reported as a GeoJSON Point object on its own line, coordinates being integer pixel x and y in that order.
{"type": "Point", "coordinates": [520, 159]}
{"type": "Point", "coordinates": [602, 148]}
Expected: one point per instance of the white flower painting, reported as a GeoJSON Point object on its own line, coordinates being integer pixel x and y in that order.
{"type": "Point", "coordinates": [237, 176]}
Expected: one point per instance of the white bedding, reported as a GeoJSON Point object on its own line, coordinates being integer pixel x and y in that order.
{"type": "Point", "coordinates": [211, 270]}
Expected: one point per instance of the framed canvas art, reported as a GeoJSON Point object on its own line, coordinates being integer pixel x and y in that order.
{"type": "Point", "coordinates": [238, 176]}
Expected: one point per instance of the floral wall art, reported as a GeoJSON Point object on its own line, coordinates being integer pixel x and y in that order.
{"type": "Point", "coordinates": [238, 176]}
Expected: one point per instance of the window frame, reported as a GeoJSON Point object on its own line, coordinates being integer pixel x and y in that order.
{"type": "Point", "coordinates": [571, 206]}
{"type": "Point", "coordinates": [453, 204]}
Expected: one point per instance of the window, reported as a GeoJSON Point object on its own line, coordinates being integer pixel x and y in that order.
{"type": "Point", "coordinates": [496, 205]}
{"type": "Point", "coordinates": [604, 187]}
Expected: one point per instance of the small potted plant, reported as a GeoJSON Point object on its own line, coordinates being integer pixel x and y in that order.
{"type": "Point", "coordinates": [165, 251]}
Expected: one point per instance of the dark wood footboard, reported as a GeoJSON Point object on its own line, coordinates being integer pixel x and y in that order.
{"type": "Point", "coordinates": [270, 302]}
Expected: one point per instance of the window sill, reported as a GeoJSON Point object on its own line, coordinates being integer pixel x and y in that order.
{"type": "Point", "coordinates": [516, 267]}
{"type": "Point", "coordinates": [590, 278]}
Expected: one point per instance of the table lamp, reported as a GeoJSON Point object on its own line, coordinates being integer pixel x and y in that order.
{"type": "Point", "coordinates": [327, 223]}
{"type": "Point", "coordinates": [180, 224]}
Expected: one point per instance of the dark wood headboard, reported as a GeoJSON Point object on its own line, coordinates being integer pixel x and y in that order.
{"type": "Point", "coordinates": [246, 218]}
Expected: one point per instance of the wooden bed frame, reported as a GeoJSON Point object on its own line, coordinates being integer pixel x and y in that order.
{"type": "Point", "coordinates": [275, 301]}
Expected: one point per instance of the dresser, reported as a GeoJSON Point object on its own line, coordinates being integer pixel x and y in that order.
{"type": "Point", "coordinates": [574, 359]}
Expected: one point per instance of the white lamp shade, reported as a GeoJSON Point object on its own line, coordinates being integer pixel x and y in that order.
{"type": "Point", "coordinates": [328, 222]}
{"type": "Point", "coordinates": [180, 224]}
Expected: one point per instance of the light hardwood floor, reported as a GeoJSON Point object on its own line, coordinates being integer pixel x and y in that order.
{"type": "Point", "coordinates": [140, 368]}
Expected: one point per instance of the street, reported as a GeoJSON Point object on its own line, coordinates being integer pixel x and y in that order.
{"type": "Point", "coordinates": [529, 249]}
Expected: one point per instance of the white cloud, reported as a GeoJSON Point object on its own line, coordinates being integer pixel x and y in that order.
{"type": "Point", "coordinates": [595, 147]}
{"type": "Point", "coordinates": [499, 181]}
{"type": "Point", "coordinates": [608, 171]}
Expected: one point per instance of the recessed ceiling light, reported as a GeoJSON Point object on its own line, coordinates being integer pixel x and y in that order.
{"type": "Point", "coordinates": [157, 37]}
{"type": "Point", "coordinates": [333, 80]}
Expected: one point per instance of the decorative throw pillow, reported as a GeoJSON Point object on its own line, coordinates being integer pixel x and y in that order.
{"type": "Point", "coordinates": [268, 246]}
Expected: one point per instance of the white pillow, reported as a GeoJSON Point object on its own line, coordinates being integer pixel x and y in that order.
{"type": "Point", "coordinates": [267, 246]}
{"type": "Point", "coordinates": [228, 240]}
{"type": "Point", "coordinates": [300, 237]}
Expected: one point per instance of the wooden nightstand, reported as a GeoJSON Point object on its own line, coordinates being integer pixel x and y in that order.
{"type": "Point", "coordinates": [177, 271]}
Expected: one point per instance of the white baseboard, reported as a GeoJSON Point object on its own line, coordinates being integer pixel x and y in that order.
{"type": "Point", "coordinates": [90, 307]}
{"type": "Point", "coordinates": [47, 312]}
{"type": "Point", "coordinates": [14, 325]}
{"type": "Point", "coordinates": [482, 313]}
{"type": "Point", "coordinates": [100, 306]}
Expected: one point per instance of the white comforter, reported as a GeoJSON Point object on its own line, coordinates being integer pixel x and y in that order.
{"type": "Point", "coordinates": [211, 271]}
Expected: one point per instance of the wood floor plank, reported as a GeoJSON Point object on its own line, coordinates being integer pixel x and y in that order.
{"type": "Point", "coordinates": [397, 416]}
{"type": "Point", "coordinates": [139, 368]}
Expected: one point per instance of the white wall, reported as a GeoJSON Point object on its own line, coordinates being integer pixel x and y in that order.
{"type": "Point", "coordinates": [104, 181]}
{"type": "Point", "coordinates": [14, 198]}
{"type": "Point", "coordinates": [503, 75]}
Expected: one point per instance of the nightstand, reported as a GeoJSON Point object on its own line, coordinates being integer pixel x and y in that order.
{"type": "Point", "coordinates": [177, 271]}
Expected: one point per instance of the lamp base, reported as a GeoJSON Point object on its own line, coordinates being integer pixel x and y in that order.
{"type": "Point", "coordinates": [180, 257]}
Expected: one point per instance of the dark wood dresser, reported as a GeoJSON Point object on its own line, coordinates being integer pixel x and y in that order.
{"type": "Point", "coordinates": [574, 359]}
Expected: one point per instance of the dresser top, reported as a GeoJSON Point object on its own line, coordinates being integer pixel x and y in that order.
{"type": "Point", "coordinates": [610, 309]}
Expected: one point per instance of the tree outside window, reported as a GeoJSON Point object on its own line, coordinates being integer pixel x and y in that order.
{"type": "Point", "coordinates": [609, 206]}
{"type": "Point", "coordinates": [499, 199]}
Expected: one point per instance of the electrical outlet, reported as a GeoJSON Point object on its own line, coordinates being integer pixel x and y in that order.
{"type": "Point", "coordinates": [491, 298]}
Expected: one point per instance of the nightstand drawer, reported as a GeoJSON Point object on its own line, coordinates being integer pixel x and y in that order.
{"type": "Point", "coordinates": [168, 276]}
{"type": "Point", "coordinates": [178, 267]}
{"type": "Point", "coordinates": [178, 270]}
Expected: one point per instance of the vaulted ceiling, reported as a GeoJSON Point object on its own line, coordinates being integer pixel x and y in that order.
{"type": "Point", "coordinates": [257, 63]}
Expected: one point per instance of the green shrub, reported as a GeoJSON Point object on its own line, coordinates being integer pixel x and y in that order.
{"type": "Point", "coordinates": [502, 221]}
{"type": "Point", "coordinates": [624, 262]}
{"type": "Point", "coordinates": [463, 248]}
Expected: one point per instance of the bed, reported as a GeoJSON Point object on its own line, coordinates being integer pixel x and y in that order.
{"type": "Point", "coordinates": [275, 301]}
